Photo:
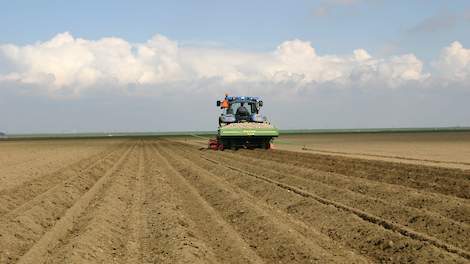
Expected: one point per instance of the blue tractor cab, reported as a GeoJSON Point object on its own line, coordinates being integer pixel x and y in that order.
{"type": "Point", "coordinates": [241, 109]}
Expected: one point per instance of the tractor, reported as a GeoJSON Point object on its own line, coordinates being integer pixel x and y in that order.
{"type": "Point", "coordinates": [241, 125]}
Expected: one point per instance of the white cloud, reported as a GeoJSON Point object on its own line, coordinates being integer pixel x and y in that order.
{"type": "Point", "coordinates": [65, 61]}
{"type": "Point", "coordinates": [322, 91]}
{"type": "Point", "coordinates": [70, 64]}
{"type": "Point", "coordinates": [454, 63]}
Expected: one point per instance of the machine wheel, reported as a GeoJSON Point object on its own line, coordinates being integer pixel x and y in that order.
{"type": "Point", "coordinates": [267, 144]}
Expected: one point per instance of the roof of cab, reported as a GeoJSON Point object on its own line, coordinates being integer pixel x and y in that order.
{"type": "Point", "coordinates": [243, 98]}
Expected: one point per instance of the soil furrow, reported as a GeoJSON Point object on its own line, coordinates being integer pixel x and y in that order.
{"type": "Point", "coordinates": [422, 221]}
{"type": "Point", "coordinates": [225, 243]}
{"type": "Point", "coordinates": [447, 206]}
{"type": "Point", "coordinates": [363, 215]}
{"type": "Point", "coordinates": [100, 233]}
{"type": "Point", "coordinates": [385, 156]}
{"type": "Point", "coordinates": [272, 238]}
{"type": "Point", "coordinates": [159, 200]}
{"type": "Point", "coordinates": [307, 231]}
{"type": "Point", "coordinates": [31, 234]}
{"type": "Point", "coordinates": [135, 219]}
{"type": "Point", "coordinates": [453, 182]}
{"type": "Point", "coordinates": [366, 237]}
{"type": "Point", "coordinates": [19, 198]}
{"type": "Point", "coordinates": [48, 156]}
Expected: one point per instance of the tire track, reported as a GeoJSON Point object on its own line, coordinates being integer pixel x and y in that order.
{"type": "Point", "coordinates": [271, 237]}
{"type": "Point", "coordinates": [363, 215]}
{"type": "Point", "coordinates": [33, 249]}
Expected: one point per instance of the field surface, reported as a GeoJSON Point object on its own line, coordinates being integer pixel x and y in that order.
{"type": "Point", "coordinates": [445, 149]}
{"type": "Point", "coordinates": [442, 149]}
{"type": "Point", "coordinates": [167, 201]}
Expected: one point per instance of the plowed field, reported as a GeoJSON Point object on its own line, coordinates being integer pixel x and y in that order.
{"type": "Point", "coordinates": [163, 201]}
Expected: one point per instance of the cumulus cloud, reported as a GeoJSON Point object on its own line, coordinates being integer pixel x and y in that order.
{"type": "Point", "coordinates": [454, 63]}
{"type": "Point", "coordinates": [356, 89]}
{"type": "Point", "coordinates": [66, 63]}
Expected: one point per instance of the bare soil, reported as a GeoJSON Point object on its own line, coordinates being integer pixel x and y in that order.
{"type": "Point", "coordinates": [444, 149]}
{"type": "Point", "coordinates": [164, 201]}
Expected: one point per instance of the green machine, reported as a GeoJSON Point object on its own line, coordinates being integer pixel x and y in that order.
{"type": "Point", "coordinates": [241, 125]}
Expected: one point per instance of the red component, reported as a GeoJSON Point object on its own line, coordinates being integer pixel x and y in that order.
{"type": "Point", "coordinates": [214, 144]}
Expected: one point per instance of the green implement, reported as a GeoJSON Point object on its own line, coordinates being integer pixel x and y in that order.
{"type": "Point", "coordinates": [242, 126]}
{"type": "Point", "coordinates": [230, 132]}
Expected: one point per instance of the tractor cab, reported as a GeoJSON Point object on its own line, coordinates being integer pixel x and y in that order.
{"type": "Point", "coordinates": [238, 109]}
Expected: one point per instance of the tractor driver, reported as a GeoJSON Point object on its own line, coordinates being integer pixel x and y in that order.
{"type": "Point", "coordinates": [242, 112]}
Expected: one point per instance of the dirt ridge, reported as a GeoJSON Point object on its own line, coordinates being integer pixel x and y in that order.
{"type": "Point", "coordinates": [154, 200]}
{"type": "Point", "coordinates": [366, 216]}
{"type": "Point", "coordinates": [426, 221]}
{"type": "Point", "coordinates": [37, 253]}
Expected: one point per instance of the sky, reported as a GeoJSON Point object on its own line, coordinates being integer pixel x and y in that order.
{"type": "Point", "coordinates": [141, 66]}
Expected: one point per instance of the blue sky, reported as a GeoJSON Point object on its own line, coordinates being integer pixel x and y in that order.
{"type": "Point", "coordinates": [57, 57]}
{"type": "Point", "coordinates": [377, 26]}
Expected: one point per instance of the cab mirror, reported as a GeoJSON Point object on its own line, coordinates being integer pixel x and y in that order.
{"type": "Point", "coordinates": [218, 103]}
{"type": "Point", "coordinates": [260, 103]}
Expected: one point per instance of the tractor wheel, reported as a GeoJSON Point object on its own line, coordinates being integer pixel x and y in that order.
{"type": "Point", "coordinates": [267, 144]}
{"type": "Point", "coordinates": [233, 147]}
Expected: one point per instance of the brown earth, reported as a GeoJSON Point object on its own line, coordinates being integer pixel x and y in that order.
{"type": "Point", "coordinates": [163, 201]}
{"type": "Point", "coordinates": [439, 149]}
{"type": "Point", "coordinates": [443, 149]}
